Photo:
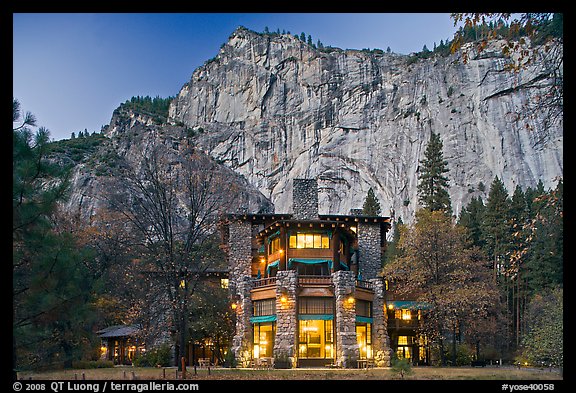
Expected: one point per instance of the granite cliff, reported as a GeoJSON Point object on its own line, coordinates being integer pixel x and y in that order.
{"type": "Point", "coordinates": [269, 108]}
{"type": "Point", "coordinates": [273, 108]}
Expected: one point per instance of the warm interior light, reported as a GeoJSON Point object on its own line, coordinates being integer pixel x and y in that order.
{"type": "Point", "coordinates": [234, 306]}
{"type": "Point", "coordinates": [390, 306]}
{"type": "Point", "coordinates": [351, 299]}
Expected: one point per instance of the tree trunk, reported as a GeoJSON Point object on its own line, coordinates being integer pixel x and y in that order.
{"type": "Point", "coordinates": [454, 345]}
{"type": "Point", "coordinates": [442, 357]}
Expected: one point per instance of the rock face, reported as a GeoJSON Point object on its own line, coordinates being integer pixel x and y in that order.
{"type": "Point", "coordinates": [131, 138]}
{"type": "Point", "coordinates": [273, 108]}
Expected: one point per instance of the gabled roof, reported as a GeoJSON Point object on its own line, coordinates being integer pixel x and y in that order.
{"type": "Point", "coordinates": [305, 224]}
{"type": "Point", "coordinates": [118, 331]}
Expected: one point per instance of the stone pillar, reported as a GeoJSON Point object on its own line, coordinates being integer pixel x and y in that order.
{"type": "Point", "coordinates": [286, 317]}
{"type": "Point", "coordinates": [370, 258]}
{"type": "Point", "coordinates": [380, 339]}
{"type": "Point", "coordinates": [239, 252]}
{"type": "Point", "coordinates": [347, 351]}
{"type": "Point", "coordinates": [305, 199]}
{"type": "Point", "coordinates": [242, 342]}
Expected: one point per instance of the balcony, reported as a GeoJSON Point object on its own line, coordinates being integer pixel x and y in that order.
{"type": "Point", "coordinates": [265, 282]}
{"type": "Point", "coordinates": [403, 323]}
{"type": "Point", "coordinates": [314, 280]}
{"type": "Point", "coordinates": [365, 285]}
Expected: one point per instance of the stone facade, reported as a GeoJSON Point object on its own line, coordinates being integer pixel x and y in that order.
{"type": "Point", "coordinates": [347, 351]}
{"type": "Point", "coordinates": [369, 249]}
{"type": "Point", "coordinates": [286, 318]}
{"type": "Point", "coordinates": [242, 341]}
{"type": "Point", "coordinates": [380, 339]}
{"type": "Point", "coordinates": [242, 245]}
{"type": "Point", "coordinates": [239, 252]}
{"type": "Point", "coordinates": [305, 199]}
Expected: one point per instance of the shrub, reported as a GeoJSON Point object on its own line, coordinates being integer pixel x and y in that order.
{"type": "Point", "coordinates": [230, 359]}
{"type": "Point", "coordinates": [401, 366]}
{"type": "Point", "coordinates": [159, 356]}
{"type": "Point", "coordinates": [89, 364]}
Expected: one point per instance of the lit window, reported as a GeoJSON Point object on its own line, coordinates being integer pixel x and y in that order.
{"type": "Point", "coordinates": [309, 240]}
{"type": "Point", "coordinates": [406, 315]}
{"type": "Point", "coordinates": [224, 282]}
{"type": "Point", "coordinates": [402, 340]}
{"type": "Point", "coordinates": [274, 245]}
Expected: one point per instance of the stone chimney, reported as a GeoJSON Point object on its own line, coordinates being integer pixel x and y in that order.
{"type": "Point", "coordinates": [305, 199]}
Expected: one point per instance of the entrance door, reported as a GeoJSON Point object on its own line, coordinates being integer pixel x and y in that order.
{"type": "Point", "coordinates": [316, 343]}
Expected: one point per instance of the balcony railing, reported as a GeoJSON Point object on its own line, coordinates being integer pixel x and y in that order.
{"type": "Point", "coordinates": [365, 285]}
{"type": "Point", "coordinates": [314, 280]}
{"type": "Point", "coordinates": [403, 323]}
{"type": "Point", "coordinates": [311, 280]}
{"type": "Point", "coordinates": [264, 282]}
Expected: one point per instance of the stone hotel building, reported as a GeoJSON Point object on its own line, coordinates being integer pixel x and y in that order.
{"type": "Point", "coordinates": [306, 287]}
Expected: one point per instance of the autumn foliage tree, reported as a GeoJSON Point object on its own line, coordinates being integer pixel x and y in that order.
{"type": "Point", "coordinates": [436, 265]}
{"type": "Point", "coordinates": [171, 204]}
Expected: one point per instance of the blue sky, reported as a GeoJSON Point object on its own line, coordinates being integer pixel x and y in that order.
{"type": "Point", "coordinates": [72, 70]}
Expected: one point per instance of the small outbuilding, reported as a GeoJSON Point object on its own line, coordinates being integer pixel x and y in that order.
{"type": "Point", "coordinates": [120, 343]}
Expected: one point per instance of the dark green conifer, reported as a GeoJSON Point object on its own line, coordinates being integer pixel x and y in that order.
{"type": "Point", "coordinates": [433, 185]}
{"type": "Point", "coordinates": [371, 205]}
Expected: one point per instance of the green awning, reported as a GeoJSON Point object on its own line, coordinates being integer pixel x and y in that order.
{"type": "Point", "coordinates": [322, 317]}
{"type": "Point", "coordinates": [271, 265]}
{"type": "Point", "coordinates": [272, 236]}
{"type": "Point", "coordinates": [263, 318]}
{"type": "Point", "coordinates": [409, 305]}
{"type": "Point", "coordinates": [364, 319]}
{"type": "Point", "coordinates": [309, 261]}
{"type": "Point", "coordinates": [313, 261]}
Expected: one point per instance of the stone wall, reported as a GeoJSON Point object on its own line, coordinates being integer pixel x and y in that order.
{"type": "Point", "coordinates": [380, 339]}
{"type": "Point", "coordinates": [239, 252]}
{"type": "Point", "coordinates": [286, 318]}
{"type": "Point", "coordinates": [347, 351]}
{"type": "Point", "coordinates": [305, 199]}
{"type": "Point", "coordinates": [370, 258]}
{"type": "Point", "coordinates": [243, 340]}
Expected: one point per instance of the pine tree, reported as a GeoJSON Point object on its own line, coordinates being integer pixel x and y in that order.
{"type": "Point", "coordinates": [471, 218]}
{"type": "Point", "coordinates": [392, 250]}
{"type": "Point", "coordinates": [51, 282]}
{"type": "Point", "coordinates": [545, 257]}
{"type": "Point", "coordinates": [496, 229]}
{"type": "Point", "coordinates": [433, 185]}
{"type": "Point", "coordinates": [371, 205]}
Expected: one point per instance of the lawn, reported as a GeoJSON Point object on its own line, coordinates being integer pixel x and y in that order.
{"type": "Point", "coordinates": [418, 373]}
